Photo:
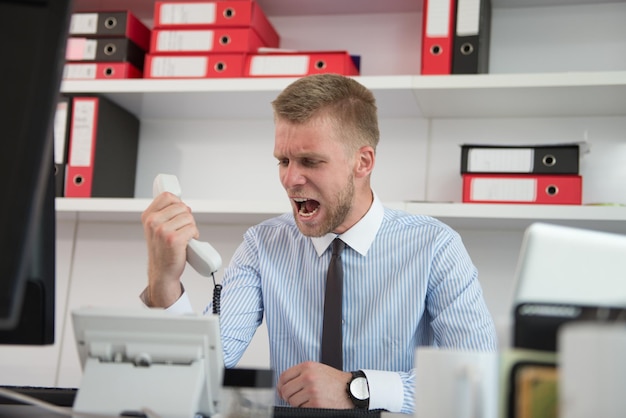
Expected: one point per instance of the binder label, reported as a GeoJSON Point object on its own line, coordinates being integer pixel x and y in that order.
{"type": "Point", "coordinates": [438, 20]}
{"type": "Point", "coordinates": [500, 160]}
{"type": "Point", "coordinates": [185, 40]}
{"type": "Point", "coordinates": [81, 49]}
{"type": "Point", "coordinates": [60, 125]}
{"type": "Point", "coordinates": [84, 23]}
{"type": "Point", "coordinates": [468, 17]}
{"type": "Point", "coordinates": [83, 128]}
{"type": "Point", "coordinates": [179, 66]}
{"type": "Point", "coordinates": [278, 65]}
{"type": "Point", "coordinates": [79, 71]}
{"type": "Point", "coordinates": [188, 13]}
{"type": "Point", "coordinates": [493, 189]}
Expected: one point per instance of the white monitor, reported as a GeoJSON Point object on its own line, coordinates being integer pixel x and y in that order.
{"type": "Point", "coordinates": [567, 265]}
{"type": "Point", "coordinates": [142, 360]}
{"type": "Point", "coordinates": [566, 274]}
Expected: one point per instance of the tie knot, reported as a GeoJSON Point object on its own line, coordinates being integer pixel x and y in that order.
{"type": "Point", "coordinates": [338, 246]}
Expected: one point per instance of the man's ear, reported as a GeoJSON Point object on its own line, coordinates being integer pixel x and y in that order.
{"type": "Point", "coordinates": [366, 157]}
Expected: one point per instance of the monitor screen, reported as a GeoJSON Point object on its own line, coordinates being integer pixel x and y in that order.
{"type": "Point", "coordinates": [32, 40]}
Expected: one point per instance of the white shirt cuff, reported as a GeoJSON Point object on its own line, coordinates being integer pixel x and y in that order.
{"type": "Point", "coordinates": [181, 306]}
{"type": "Point", "coordinates": [386, 390]}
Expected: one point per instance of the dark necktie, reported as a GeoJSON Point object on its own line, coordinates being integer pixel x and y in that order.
{"type": "Point", "coordinates": [332, 350]}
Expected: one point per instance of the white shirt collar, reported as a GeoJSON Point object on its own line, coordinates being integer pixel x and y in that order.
{"type": "Point", "coordinates": [361, 235]}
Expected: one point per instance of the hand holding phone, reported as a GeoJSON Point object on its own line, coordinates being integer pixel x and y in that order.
{"type": "Point", "coordinates": [200, 255]}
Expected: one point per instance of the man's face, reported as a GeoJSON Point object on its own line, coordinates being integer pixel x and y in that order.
{"type": "Point", "coordinates": [317, 173]}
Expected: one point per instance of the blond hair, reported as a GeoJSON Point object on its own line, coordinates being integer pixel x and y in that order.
{"type": "Point", "coordinates": [347, 103]}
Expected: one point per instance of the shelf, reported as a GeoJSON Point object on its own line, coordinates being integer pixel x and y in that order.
{"type": "Point", "coordinates": [144, 9]}
{"type": "Point", "coordinates": [205, 211]}
{"type": "Point", "coordinates": [458, 96]}
{"type": "Point", "coordinates": [411, 96]}
{"type": "Point", "coordinates": [323, 7]}
{"type": "Point", "coordinates": [522, 95]}
{"type": "Point", "coordinates": [512, 217]}
{"type": "Point", "coordinates": [546, 3]}
{"type": "Point", "coordinates": [457, 215]}
{"type": "Point", "coordinates": [235, 98]}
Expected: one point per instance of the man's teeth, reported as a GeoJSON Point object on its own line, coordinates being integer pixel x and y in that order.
{"type": "Point", "coordinates": [302, 210]}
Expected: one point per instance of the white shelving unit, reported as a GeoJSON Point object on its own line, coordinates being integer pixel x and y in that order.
{"type": "Point", "coordinates": [441, 97]}
{"type": "Point", "coordinates": [145, 8]}
{"type": "Point", "coordinates": [401, 94]}
{"type": "Point", "coordinates": [457, 215]}
{"type": "Point", "coordinates": [507, 217]}
{"type": "Point", "coordinates": [459, 96]}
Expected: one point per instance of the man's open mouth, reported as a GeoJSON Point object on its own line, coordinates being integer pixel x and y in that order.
{"type": "Point", "coordinates": [307, 207]}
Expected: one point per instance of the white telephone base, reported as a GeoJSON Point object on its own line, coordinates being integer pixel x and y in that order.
{"type": "Point", "coordinates": [135, 361]}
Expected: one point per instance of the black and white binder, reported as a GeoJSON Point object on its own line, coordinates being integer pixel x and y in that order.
{"type": "Point", "coordinates": [535, 159]}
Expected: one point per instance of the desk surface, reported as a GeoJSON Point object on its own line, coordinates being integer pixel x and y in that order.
{"type": "Point", "coordinates": [65, 397]}
{"type": "Point", "coordinates": [19, 411]}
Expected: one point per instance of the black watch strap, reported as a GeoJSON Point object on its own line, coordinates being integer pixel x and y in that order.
{"type": "Point", "coordinates": [358, 390]}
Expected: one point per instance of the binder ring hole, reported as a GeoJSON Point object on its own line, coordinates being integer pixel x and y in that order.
{"type": "Point", "coordinates": [320, 65]}
{"type": "Point", "coordinates": [110, 22]}
{"type": "Point", "coordinates": [56, 169]}
{"type": "Point", "coordinates": [109, 71]}
{"type": "Point", "coordinates": [78, 180]}
{"type": "Point", "coordinates": [225, 40]}
{"type": "Point", "coordinates": [109, 49]}
{"type": "Point", "coordinates": [142, 360]}
{"type": "Point", "coordinates": [220, 66]}
{"type": "Point", "coordinates": [435, 49]}
{"type": "Point", "coordinates": [552, 190]}
{"type": "Point", "coordinates": [467, 48]}
{"type": "Point", "coordinates": [548, 160]}
{"type": "Point", "coordinates": [229, 13]}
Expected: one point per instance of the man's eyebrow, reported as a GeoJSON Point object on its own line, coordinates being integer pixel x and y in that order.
{"type": "Point", "coordinates": [303, 155]}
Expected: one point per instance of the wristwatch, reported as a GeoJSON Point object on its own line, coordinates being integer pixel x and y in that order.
{"type": "Point", "coordinates": [358, 390]}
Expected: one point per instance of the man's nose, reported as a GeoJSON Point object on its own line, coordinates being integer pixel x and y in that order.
{"type": "Point", "coordinates": [292, 176]}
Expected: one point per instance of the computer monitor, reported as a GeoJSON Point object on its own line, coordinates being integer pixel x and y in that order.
{"type": "Point", "coordinates": [32, 45]}
{"type": "Point", "coordinates": [566, 274]}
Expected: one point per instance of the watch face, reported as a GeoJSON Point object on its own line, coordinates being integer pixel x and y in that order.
{"type": "Point", "coordinates": [358, 388]}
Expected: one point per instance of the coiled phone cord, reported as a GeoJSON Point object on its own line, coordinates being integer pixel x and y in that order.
{"type": "Point", "coordinates": [217, 295]}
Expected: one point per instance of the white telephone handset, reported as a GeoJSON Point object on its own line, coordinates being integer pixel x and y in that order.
{"type": "Point", "coordinates": [200, 255]}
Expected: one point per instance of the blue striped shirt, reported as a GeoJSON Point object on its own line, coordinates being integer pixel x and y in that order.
{"type": "Point", "coordinates": [408, 281]}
